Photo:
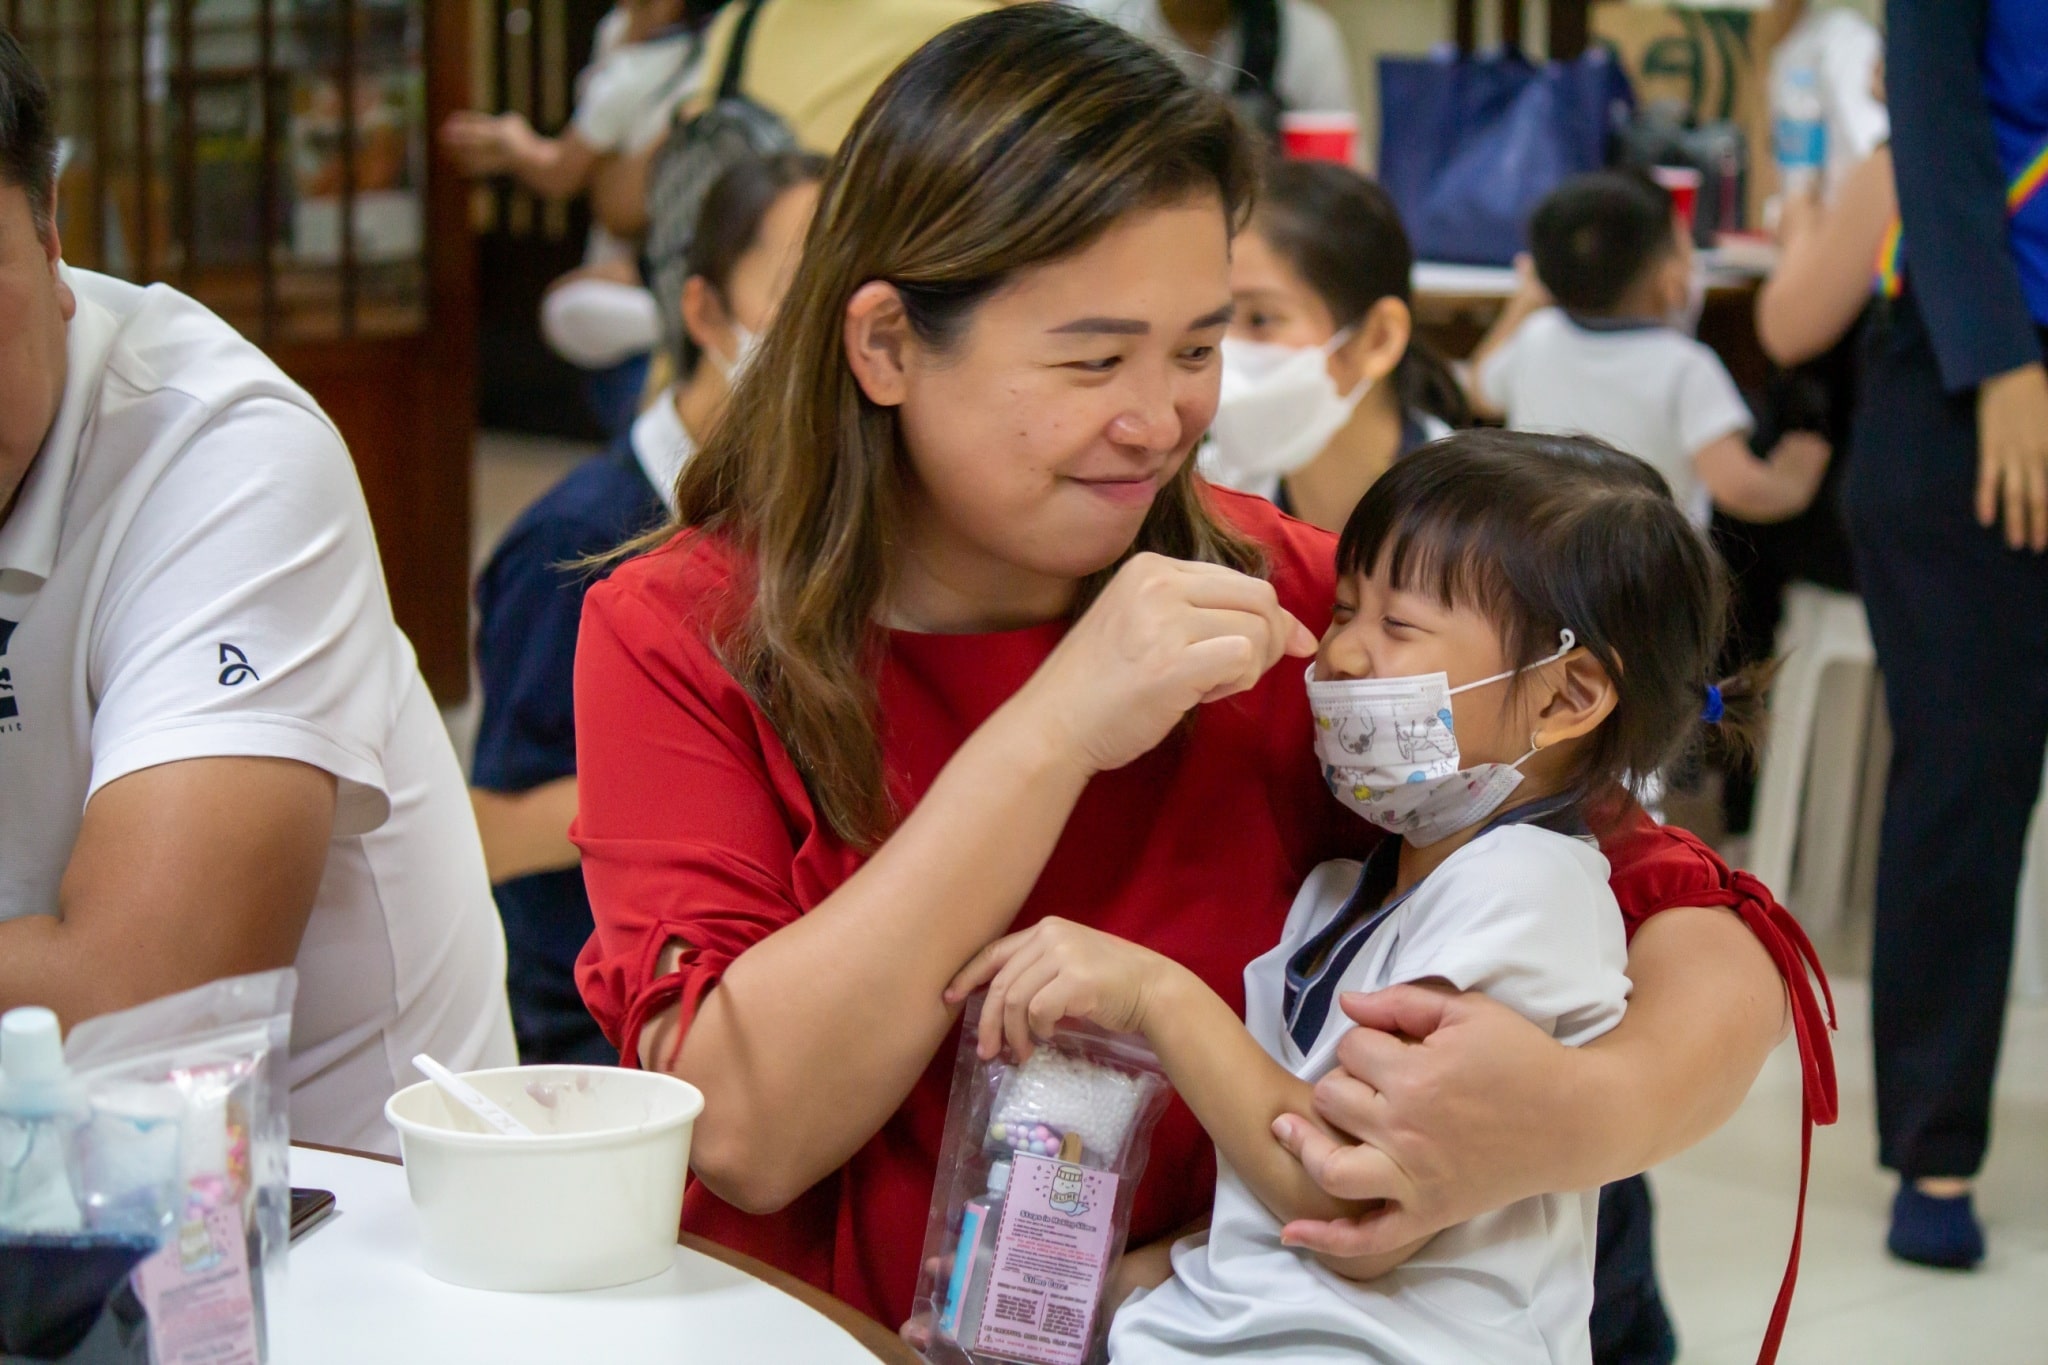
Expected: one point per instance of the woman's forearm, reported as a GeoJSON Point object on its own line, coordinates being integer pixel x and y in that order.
{"type": "Point", "coordinates": [816, 1034]}
{"type": "Point", "coordinates": [1822, 282]}
{"type": "Point", "coordinates": [1706, 1009]}
{"type": "Point", "coordinates": [1236, 1092]}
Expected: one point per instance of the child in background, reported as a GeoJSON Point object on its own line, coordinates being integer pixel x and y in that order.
{"type": "Point", "coordinates": [530, 597]}
{"type": "Point", "coordinates": [599, 317]}
{"type": "Point", "coordinates": [1523, 622]}
{"type": "Point", "coordinates": [1324, 382]}
{"type": "Point", "coordinates": [1589, 346]}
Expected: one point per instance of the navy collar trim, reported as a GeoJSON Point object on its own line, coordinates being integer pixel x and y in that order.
{"type": "Point", "coordinates": [1586, 322]}
{"type": "Point", "coordinates": [1313, 973]}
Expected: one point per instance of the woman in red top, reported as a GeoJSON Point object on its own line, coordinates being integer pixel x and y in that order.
{"type": "Point", "coordinates": [947, 636]}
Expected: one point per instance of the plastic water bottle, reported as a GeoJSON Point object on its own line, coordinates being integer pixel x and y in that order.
{"type": "Point", "coordinates": [1800, 131]}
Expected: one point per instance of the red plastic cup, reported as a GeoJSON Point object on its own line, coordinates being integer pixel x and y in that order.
{"type": "Point", "coordinates": [1684, 184]}
{"type": "Point", "coordinates": [1312, 136]}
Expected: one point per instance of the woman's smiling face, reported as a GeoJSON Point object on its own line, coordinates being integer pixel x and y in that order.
{"type": "Point", "coordinates": [1039, 438]}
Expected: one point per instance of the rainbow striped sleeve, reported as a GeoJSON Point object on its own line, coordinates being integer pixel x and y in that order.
{"type": "Point", "coordinates": [1890, 260]}
{"type": "Point", "coordinates": [2028, 182]}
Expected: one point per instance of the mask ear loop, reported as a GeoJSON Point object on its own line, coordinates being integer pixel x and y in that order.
{"type": "Point", "coordinates": [1567, 641]}
{"type": "Point", "coordinates": [1336, 343]}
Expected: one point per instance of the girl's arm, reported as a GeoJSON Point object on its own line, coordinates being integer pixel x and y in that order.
{"type": "Point", "coordinates": [1766, 489]}
{"type": "Point", "coordinates": [1057, 970]}
{"type": "Point", "coordinates": [814, 1034]}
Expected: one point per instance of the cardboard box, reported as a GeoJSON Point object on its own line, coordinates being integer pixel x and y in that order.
{"type": "Point", "coordinates": [1714, 62]}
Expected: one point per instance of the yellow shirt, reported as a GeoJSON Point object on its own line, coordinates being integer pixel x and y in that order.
{"type": "Point", "coordinates": [815, 62]}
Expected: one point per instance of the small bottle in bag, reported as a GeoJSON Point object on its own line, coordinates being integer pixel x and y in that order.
{"type": "Point", "coordinates": [969, 1285]}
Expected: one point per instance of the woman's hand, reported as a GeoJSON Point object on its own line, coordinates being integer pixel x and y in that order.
{"type": "Point", "coordinates": [1165, 636]}
{"type": "Point", "coordinates": [2012, 460]}
{"type": "Point", "coordinates": [1443, 1092]}
{"type": "Point", "coordinates": [1058, 970]}
{"type": "Point", "coordinates": [1463, 1106]}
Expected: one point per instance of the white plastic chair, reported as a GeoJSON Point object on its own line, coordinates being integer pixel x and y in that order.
{"type": "Point", "coordinates": [1816, 755]}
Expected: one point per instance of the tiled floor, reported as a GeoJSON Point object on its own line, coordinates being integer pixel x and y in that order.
{"type": "Point", "coordinates": [1725, 1219]}
{"type": "Point", "coordinates": [1725, 1208]}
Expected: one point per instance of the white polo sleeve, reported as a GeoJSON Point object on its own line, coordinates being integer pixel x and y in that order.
{"type": "Point", "coordinates": [1709, 404]}
{"type": "Point", "coordinates": [1529, 921]}
{"type": "Point", "coordinates": [1498, 372]}
{"type": "Point", "coordinates": [623, 87]}
{"type": "Point", "coordinates": [244, 613]}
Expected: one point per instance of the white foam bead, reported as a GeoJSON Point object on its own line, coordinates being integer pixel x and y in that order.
{"type": "Point", "coordinates": [1070, 1094]}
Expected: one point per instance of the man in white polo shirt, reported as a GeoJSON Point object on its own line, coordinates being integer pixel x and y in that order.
{"type": "Point", "coordinates": [216, 752]}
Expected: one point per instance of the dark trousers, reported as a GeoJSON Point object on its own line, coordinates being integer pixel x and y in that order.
{"type": "Point", "coordinates": [1630, 1326]}
{"type": "Point", "coordinates": [1961, 628]}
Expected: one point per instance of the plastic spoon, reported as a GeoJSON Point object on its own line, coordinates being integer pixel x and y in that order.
{"type": "Point", "coordinates": [470, 1098]}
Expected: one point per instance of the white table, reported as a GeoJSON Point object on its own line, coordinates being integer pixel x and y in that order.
{"type": "Point", "coordinates": [1725, 268]}
{"type": "Point", "coordinates": [359, 1297]}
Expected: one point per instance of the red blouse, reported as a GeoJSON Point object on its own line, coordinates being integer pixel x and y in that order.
{"type": "Point", "coordinates": [695, 825]}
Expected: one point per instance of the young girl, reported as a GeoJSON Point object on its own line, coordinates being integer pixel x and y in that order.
{"type": "Point", "coordinates": [1324, 383]}
{"type": "Point", "coordinates": [1522, 623]}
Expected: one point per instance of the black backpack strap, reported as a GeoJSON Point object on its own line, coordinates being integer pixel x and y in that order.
{"type": "Point", "coordinates": [1258, 31]}
{"type": "Point", "coordinates": [736, 55]}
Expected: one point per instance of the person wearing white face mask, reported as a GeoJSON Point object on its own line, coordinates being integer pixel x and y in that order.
{"type": "Point", "coordinates": [1324, 384]}
{"type": "Point", "coordinates": [530, 595]}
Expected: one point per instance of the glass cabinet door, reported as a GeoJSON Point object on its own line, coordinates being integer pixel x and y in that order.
{"type": "Point", "coordinates": [266, 156]}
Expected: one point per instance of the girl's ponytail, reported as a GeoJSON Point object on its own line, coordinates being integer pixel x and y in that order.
{"type": "Point", "coordinates": [1426, 384]}
{"type": "Point", "coordinates": [1737, 708]}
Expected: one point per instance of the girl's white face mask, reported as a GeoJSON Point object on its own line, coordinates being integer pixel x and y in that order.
{"type": "Point", "coordinates": [1278, 409]}
{"type": "Point", "coordinates": [1390, 752]}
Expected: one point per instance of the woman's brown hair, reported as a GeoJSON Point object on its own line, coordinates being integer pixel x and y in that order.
{"type": "Point", "coordinates": [1009, 141]}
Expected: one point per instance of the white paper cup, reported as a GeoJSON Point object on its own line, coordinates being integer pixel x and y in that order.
{"type": "Point", "coordinates": [593, 1199]}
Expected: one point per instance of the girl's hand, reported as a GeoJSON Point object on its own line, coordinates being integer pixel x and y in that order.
{"type": "Point", "coordinates": [1165, 636]}
{"type": "Point", "coordinates": [1058, 970]}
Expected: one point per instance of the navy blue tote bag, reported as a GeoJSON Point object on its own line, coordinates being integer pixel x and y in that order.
{"type": "Point", "coordinates": [1469, 144]}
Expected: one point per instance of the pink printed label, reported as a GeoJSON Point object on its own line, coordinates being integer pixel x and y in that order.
{"type": "Point", "coordinates": [197, 1294]}
{"type": "Point", "coordinates": [1051, 1253]}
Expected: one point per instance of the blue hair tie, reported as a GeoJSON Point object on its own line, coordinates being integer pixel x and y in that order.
{"type": "Point", "coordinates": [1716, 707]}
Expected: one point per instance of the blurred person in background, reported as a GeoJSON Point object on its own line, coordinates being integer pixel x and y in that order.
{"type": "Point", "coordinates": [1947, 506]}
{"type": "Point", "coordinates": [598, 317]}
{"type": "Point", "coordinates": [812, 63]}
{"type": "Point", "coordinates": [1270, 56]}
{"type": "Point", "coordinates": [1324, 383]}
{"type": "Point", "coordinates": [1810, 316]}
{"type": "Point", "coordinates": [530, 596]}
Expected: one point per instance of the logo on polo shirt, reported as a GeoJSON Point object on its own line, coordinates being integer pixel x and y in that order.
{"type": "Point", "coordinates": [10, 708]}
{"type": "Point", "coordinates": [235, 669]}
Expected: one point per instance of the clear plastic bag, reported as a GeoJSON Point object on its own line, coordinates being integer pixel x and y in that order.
{"type": "Point", "coordinates": [179, 1171]}
{"type": "Point", "coordinates": [1032, 1203]}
